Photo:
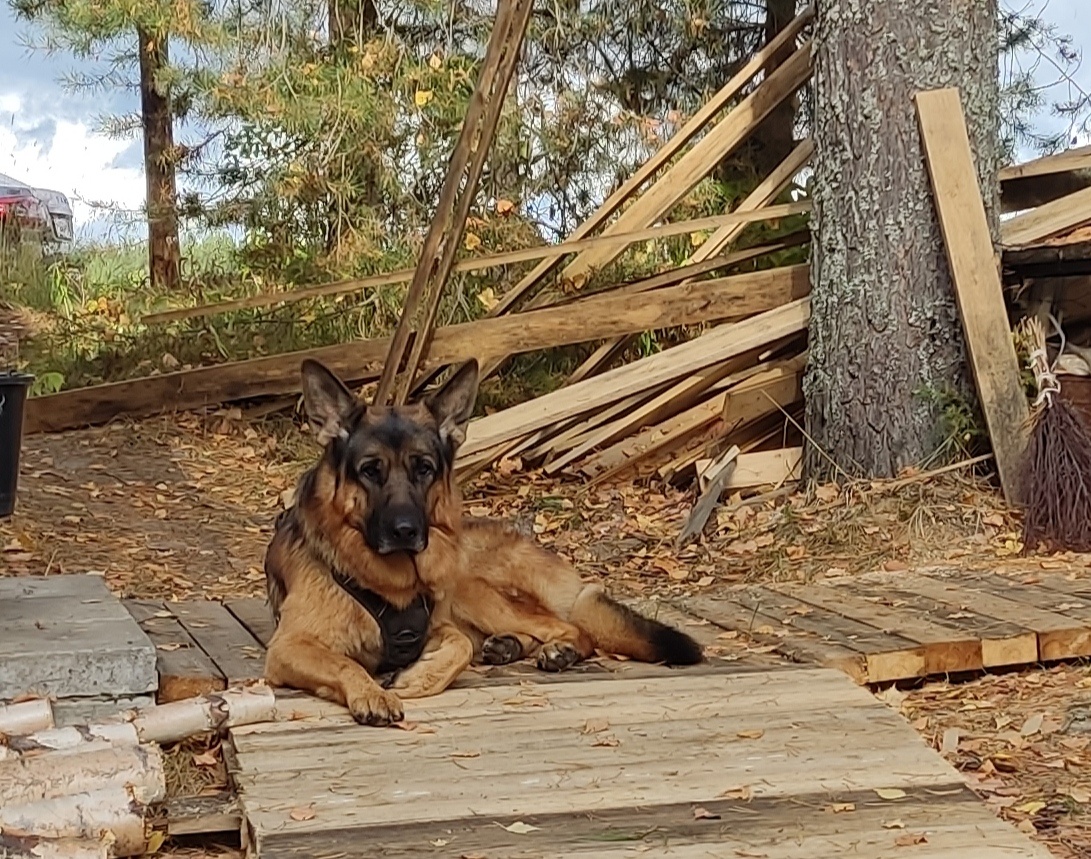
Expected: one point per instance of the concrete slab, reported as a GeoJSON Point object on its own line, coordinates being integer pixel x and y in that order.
{"type": "Point", "coordinates": [70, 637]}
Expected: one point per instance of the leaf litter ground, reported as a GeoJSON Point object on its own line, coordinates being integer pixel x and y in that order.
{"type": "Point", "coordinates": [182, 508]}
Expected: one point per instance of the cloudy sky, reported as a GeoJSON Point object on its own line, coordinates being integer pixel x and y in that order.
{"type": "Point", "coordinates": [49, 136]}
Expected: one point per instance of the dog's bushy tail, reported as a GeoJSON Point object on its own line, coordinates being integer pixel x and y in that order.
{"type": "Point", "coordinates": [618, 629]}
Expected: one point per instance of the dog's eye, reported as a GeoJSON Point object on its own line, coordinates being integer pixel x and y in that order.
{"type": "Point", "coordinates": [371, 471]}
{"type": "Point", "coordinates": [425, 469]}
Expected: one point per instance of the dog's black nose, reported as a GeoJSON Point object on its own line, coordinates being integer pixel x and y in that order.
{"type": "Point", "coordinates": [406, 530]}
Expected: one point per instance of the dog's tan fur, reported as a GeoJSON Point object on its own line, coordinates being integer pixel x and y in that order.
{"type": "Point", "coordinates": [497, 595]}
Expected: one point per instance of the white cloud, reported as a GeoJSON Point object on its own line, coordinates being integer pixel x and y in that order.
{"type": "Point", "coordinates": [77, 161]}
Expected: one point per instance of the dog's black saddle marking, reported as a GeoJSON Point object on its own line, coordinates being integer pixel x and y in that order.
{"type": "Point", "coordinates": [404, 631]}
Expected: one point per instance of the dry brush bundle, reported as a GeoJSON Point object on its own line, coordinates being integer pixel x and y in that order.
{"type": "Point", "coordinates": [1056, 468]}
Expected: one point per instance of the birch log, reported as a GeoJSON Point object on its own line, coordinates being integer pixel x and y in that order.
{"type": "Point", "coordinates": [26, 716]}
{"type": "Point", "coordinates": [82, 738]}
{"type": "Point", "coordinates": [32, 847]}
{"type": "Point", "coordinates": [110, 813]}
{"type": "Point", "coordinates": [51, 775]}
{"type": "Point", "coordinates": [168, 723]}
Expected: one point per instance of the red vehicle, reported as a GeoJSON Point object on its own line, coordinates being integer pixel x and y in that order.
{"type": "Point", "coordinates": [33, 214]}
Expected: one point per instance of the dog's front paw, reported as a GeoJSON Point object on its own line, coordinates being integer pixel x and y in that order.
{"type": "Point", "coordinates": [558, 656]}
{"type": "Point", "coordinates": [376, 707]}
{"type": "Point", "coordinates": [501, 650]}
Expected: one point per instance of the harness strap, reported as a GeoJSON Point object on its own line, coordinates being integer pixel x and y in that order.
{"type": "Point", "coordinates": [403, 631]}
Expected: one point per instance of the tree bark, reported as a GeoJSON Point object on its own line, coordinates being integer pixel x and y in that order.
{"type": "Point", "coordinates": [23, 717]}
{"type": "Point", "coordinates": [54, 775]}
{"type": "Point", "coordinates": [164, 253]}
{"type": "Point", "coordinates": [886, 342]}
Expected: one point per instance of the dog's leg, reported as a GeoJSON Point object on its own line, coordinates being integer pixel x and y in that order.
{"type": "Point", "coordinates": [558, 643]}
{"type": "Point", "coordinates": [303, 663]}
{"type": "Point", "coordinates": [448, 653]}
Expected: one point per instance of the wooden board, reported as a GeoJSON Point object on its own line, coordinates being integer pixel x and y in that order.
{"type": "Point", "coordinates": [976, 277]}
{"type": "Point", "coordinates": [882, 627]}
{"type": "Point", "coordinates": [185, 670]}
{"type": "Point", "coordinates": [1051, 219]}
{"type": "Point", "coordinates": [602, 768]}
{"type": "Point", "coordinates": [663, 156]}
{"type": "Point", "coordinates": [601, 315]}
{"type": "Point", "coordinates": [235, 651]}
{"type": "Point", "coordinates": [720, 344]}
{"type": "Point", "coordinates": [256, 615]}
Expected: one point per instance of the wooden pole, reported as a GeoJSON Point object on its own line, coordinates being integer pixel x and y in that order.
{"type": "Point", "coordinates": [459, 189]}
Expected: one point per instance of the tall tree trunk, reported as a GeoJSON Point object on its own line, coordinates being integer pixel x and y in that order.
{"type": "Point", "coordinates": [774, 139]}
{"type": "Point", "coordinates": [164, 253]}
{"type": "Point", "coordinates": [886, 342]}
{"type": "Point", "coordinates": [351, 24]}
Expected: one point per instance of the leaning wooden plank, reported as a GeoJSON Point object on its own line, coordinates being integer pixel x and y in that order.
{"type": "Point", "coordinates": [692, 167]}
{"type": "Point", "coordinates": [766, 379]}
{"type": "Point", "coordinates": [976, 276]}
{"type": "Point", "coordinates": [579, 431]}
{"type": "Point", "coordinates": [1059, 216]}
{"type": "Point", "coordinates": [718, 475]}
{"type": "Point", "coordinates": [671, 277]}
{"type": "Point", "coordinates": [111, 811]}
{"type": "Point", "coordinates": [479, 127]}
{"type": "Point", "coordinates": [750, 437]}
{"type": "Point", "coordinates": [52, 775]}
{"type": "Point", "coordinates": [763, 195]}
{"type": "Point", "coordinates": [24, 717]}
{"type": "Point", "coordinates": [234, 651]}
{"type": "Point", "coordinates": [676, 398]}
{"type": "Point", "coordinates": [663, 427]}
{"type": "Point", "coordinates": [719, 344]}
{"type": "Point", "coordinates": [184, 669]}
{"type": "Point", "coordinates": [691, 128]}
{"type": "Point", "coordinates": [459, 189]}
{"type": "Point", "coordinates": [362, 360]}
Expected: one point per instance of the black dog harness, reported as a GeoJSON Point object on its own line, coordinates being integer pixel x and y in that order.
{"type": "Point", "coordinates": [403, 631]}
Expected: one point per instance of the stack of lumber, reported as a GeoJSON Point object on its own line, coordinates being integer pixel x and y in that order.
{"type": "Point", "coordinates": [88, 792]}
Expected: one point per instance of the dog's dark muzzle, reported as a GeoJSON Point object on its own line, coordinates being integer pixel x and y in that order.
{"type": "Point", "coordinates": [400, 530]}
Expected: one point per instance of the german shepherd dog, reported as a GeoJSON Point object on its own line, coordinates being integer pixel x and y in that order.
{"type": "Point", "coordinates": [374, 571]}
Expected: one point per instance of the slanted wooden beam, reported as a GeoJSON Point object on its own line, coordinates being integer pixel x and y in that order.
{"type": "Point", "coordinates": [459, 189]}
{"type": "Point", "coordinates": [976, 274]}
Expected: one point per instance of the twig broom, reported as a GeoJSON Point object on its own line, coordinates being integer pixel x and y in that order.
{"type": "Point", "coordinates": [1056, 469]}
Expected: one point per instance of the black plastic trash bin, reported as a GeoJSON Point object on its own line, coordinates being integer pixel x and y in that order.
{"type": "Point", "coordinates": [13, 397]}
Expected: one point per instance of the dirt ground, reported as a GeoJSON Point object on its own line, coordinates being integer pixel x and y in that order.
{"type": "Point", "coordinates": [182, 507]}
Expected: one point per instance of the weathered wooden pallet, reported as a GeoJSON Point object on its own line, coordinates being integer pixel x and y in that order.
{"type": "Point", "coordinates": [742, 764]}
{"type": "Point", "coordinates": [897, 626]}
{"type": "Point", "coordinates": [203, 646]}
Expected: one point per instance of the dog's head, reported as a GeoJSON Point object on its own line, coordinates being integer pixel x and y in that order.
{"type": "Point", "coordinates": [391, 465]}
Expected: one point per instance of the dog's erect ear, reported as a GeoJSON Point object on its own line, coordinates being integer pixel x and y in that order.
{"type": "Point", "coordinates": [328, 402]}
{"type": "Point", "coordinates": [453, 404]}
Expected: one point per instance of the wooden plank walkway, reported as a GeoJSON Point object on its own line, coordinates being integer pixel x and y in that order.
{"type": "Point", "coordinates": [883, 627]}
{"type": "Point", "coordinates": [791, 763]}
{"type": "Point", "coordinates": [204, 646]}
{"type": "Point", "coordinates": [876, 628]}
